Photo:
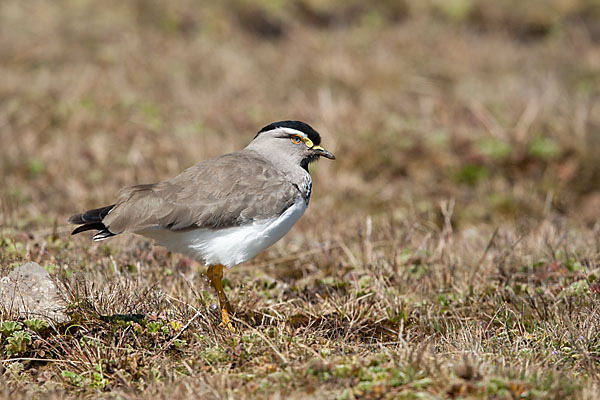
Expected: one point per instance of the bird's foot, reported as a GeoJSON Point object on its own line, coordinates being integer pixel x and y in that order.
{"type": "Point", "coordinates": [226, 321]}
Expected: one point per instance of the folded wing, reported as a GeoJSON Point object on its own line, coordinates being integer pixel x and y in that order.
{"type": "Point", "coordinates": [221, 192]}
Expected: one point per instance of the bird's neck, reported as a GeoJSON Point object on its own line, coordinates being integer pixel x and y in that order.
{"type": "Point", "coordinates": [293, 170]}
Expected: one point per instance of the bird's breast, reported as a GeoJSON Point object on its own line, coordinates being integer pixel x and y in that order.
{"type": "Point", "coordinates": [229, 246]}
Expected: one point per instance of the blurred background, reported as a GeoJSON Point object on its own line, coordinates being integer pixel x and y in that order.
{"type": "Point", "coordinates": [491, 106]}
{"type": "Point", "coordinates": [459, 221]}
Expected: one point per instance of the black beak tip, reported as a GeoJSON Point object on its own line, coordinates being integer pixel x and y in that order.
{"type": "Point", "coordinates": [326, 154]}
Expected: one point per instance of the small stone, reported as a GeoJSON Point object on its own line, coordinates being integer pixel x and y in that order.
{"type": "Point", "coordinates": [29, 292]}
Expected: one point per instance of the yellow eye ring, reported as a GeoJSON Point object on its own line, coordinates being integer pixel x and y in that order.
{"type": "Point", "coordinates": [296, 139]}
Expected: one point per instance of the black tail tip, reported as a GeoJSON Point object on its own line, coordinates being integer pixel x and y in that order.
{"type": "Point", "coordinates": [99, 226]}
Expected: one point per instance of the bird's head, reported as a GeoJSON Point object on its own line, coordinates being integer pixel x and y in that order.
{"type": "Point", "coordinates": [293, 140]}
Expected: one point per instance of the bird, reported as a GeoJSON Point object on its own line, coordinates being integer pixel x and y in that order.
{"type": "Point", "coordinates": [224, 210]}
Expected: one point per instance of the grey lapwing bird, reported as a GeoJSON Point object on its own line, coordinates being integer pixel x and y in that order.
{"type": "Point", "coordinates": [224, 210]}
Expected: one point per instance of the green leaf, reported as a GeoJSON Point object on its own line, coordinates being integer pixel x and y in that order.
{"type": "Point", "coordinates": [18, 342]}
{"type": "Point", "coordinates": [36, 324]}
{"type": "Point", "coordinates": [8, 327]}
{"type": "Point", "coordinates": [544, 148]}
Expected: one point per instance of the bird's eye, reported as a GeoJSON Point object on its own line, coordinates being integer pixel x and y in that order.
{"type": "Point", "coordinates": [296, 139]}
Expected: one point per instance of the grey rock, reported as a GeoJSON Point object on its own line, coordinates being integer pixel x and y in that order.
{"type": "Point", "coordinates": [29, 292]}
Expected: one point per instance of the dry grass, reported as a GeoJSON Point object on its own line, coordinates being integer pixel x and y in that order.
{"type": "Point", "coordinates": [451, 251]}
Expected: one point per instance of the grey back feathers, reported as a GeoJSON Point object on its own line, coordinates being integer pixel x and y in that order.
{"type": "Point", "coordinates": [235, 188]}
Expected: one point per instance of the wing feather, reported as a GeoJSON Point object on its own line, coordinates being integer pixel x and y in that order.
{"type": "Point", "coordinates": [221, 192]}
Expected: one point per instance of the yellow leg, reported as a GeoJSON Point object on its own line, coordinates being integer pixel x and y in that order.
{"type": "Point", "coordinates": [215, 276]}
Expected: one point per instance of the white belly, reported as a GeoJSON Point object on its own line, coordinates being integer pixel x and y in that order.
{"type": "Point", "coordinates": [230, 246]}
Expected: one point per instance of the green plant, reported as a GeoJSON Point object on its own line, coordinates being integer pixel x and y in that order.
{"type": "Point", "coordinates": [8, 327]}
{"type": "Point", "coordinates": [17, 342]}
{"type": "Point", "coordinates": [154, 327]}
{"type": "Point", "coordinates": [36, 324]}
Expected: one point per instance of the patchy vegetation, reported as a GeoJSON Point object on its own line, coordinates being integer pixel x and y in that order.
{"type": "Point", "coordinates": [450, 252]}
